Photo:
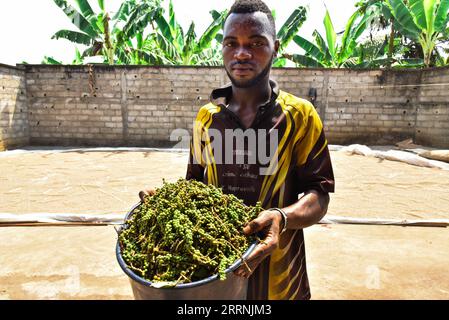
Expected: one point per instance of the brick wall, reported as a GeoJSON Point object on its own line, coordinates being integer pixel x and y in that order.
{"type": "Point", "coordinates": [141, 106]}
{"type": "Point", "coordinates": [377, 106]}
{"type": "Point", "coordinates": [432, 121]}
{"type": "Point", "coordinates": [13, 108]}
{"type": "Point", "coordinates": [115, 106]}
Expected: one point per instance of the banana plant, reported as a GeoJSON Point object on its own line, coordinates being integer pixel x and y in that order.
{"type": "Point", "coordinates": [288, 31]}
{"type": "Point", "coordinates": [95, 31]}
{"type": "Point", "coordinates": [179, 48]}
{"type": "Point", "coordinates": [131, 21]}
{"type": "Point", "coordinates": [422, 21]}
{"type": "Point", "coordinates": [328, 51]}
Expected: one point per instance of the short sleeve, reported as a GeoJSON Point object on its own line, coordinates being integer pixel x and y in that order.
{"type": "Point", "coordinates": [313, 167]}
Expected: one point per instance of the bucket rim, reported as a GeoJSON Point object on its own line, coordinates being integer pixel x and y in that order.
{"type": "Point", "coordinates": [147, 283]}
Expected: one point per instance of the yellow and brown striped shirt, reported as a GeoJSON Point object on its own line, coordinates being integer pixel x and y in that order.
{"type": "Point", "coordinates": [300, 162]}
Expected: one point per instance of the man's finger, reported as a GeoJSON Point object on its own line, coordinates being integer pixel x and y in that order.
{"type": "Point", "coordinates": [261, 251]}
{"type": "Point", "coordinates": [257, 224]}
{"type": "Point", "coordinates": [146, 192]}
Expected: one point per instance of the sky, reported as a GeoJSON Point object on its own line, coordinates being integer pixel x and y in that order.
{"type": "Point", "coordinates": [26, 26]}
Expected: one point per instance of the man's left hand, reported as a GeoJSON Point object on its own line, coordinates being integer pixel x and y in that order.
{"type": "Point", "coordinates": [269, 224]}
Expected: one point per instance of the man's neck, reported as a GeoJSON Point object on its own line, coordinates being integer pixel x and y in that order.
{"type": "Point", "coordinates": [251, 97]}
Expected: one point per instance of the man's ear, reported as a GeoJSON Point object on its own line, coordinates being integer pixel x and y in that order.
{"type": "Point", "coordinates": [276, 47]}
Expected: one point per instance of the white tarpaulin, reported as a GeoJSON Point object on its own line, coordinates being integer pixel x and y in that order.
{"type": "Point", "coordinates": [393, 155]}
{"type": "Point", "coordinates": [48, 219]}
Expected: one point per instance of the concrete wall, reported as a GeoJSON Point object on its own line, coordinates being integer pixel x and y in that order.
{"type": "Point", "coordinates": [141, 106]}
{"type": "Point", "coordinates": [432, 120]}
{"type": "Point", "coordinates": [14, 130]}
{"type": "Point", "coordinates": [377, 106]}
{"type": "Point", "coordinates": [115, 106]}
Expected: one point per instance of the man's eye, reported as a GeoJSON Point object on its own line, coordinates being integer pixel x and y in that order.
{"type": "Point", "coordinates": [229, 44]}
{"type": "Point", "coordinates": [257, 44]}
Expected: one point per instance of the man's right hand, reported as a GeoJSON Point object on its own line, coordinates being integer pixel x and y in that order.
{"type": "Point", "coordinates": [146, 192]}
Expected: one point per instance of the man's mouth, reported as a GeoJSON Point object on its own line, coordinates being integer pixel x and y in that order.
{"type": "Point", "coordinates": [242, 70]}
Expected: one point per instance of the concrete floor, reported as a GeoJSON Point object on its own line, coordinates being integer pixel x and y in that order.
{"type": "Point", "coordinates": [344, 261]}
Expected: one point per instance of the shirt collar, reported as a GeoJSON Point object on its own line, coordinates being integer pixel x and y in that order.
{"type": "Point", "coordinates": [220, 96]}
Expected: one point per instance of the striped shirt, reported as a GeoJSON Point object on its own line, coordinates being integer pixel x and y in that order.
{"type": "Point", "coordinates": [300, 161]}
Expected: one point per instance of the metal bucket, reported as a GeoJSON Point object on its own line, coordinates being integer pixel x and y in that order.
{"type": "Point", "coordinates": [211, 288]}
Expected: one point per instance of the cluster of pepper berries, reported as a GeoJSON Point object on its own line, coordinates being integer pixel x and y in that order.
{"type": "Point", "coordinates": [185, 232]}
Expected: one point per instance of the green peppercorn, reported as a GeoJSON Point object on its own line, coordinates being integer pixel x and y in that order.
{"type": "Point", "coordinates": [185, 232]}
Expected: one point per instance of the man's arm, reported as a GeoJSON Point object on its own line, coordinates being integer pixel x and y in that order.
{"type": "Point", "coordinates": [307, 211]}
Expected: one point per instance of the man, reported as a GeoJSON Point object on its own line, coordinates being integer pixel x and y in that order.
{"type": "Point", "coordinates": [277, 267]}
{"type": "Point", "coordinates": [300, 164]}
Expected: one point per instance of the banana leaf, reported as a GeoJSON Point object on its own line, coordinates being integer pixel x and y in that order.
{"type": "Point", "coordinates": [350, 43]}
{"type": "Point", "coordinates": [429, 10]}
{"type": "Point", "coordinates": [86, 10]}
{"type": "Point", "coordinates": [309, 48]}
{"type": "Point", "coordinates": [418, 14]}
{"type": "Point", "coordinates": [167, 47]}
{"type": "Point", "coordinates": [279, 62]}
{"type": "Point", "coordinates": [211, 32]}
{"type": "Point", "coordinates": [305, 61]}
{"type": "Point", "coordinates": [164, 27]}
{"type": "Point", "coordinates": [321, 44]}
{"type": "Point", "coordinates": [176, 29]}
{"type": "Point", "coordinates": [442, 16]}
{"type": "Point", "coordinates": [100, 22]}
{"type": "Point", "coordinates": [215, 14]}
{"type": "Point", "coordinates": [404, 18]}
{"type": "Point", "coordinates": [291, 27]}
{"type": "Point", "coordinates": [78, 59]}
{"type": "Point", "coordinates": [331, 36]}
{"type": "Point", "coordinates": [73, 36]}
{"type": "Point", "coordinates": [50, 60]}
{"type": "Point", "coordinates": [101, 4]}
{"type": "Point", "coordinates": [189, 45]}
{"type": "Point", "coordinates": [139, 38]}
{"type": "Point", "coordinates": [219, 38]}
{"type": "Point", "coordinates": [172, 20]}
{"type": "Point", "coordinates": [77, 19]}
{"type": "Point", "coordinates": [123, 12]}
{"type": "Point", "coordinates": [348, 30]}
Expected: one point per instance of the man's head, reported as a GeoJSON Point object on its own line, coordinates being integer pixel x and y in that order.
{"type": "Point", "coordinates": [249, 43]}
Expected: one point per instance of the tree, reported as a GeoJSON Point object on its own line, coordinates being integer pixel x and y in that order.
{"type": "Point", "coordinates": [422, 21]}
{"type": "Point", "coordinates": [328, 51]}
{"type": "Point", "coordinates": [95, 31]}
{"type": "Point", "coordinates": [288, 31]}
{"type": "Point", "coordinates": [172, 45]}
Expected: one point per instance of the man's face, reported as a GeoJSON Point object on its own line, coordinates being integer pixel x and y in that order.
{"type": "Point", "coordinates": [248, 48]}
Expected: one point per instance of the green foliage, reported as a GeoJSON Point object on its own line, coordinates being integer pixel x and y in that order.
{"type": "Point", "coordinates": [288, 31]}
{"type": "Point", "coordinates": [331, 51]}
{"type": "Point", "coordinates": [421, 21]}
{"type": "Point", "coordinates": [110, 38]}
{"type": "Point", "coordinates": [51, 60]}
{"type": "Point", "coordinates": [179, 48]}
{"type": "Point", "coordinates": [413, 24]}
{"type": "Point", "coordinates": [185, 232]}
{"type": "Point", "coordinates": [140, 32]}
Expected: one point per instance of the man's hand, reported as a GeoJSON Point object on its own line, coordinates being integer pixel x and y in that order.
{"type": "Point", "coordinates": [146, 192]}
{"type": "Point", "coordinates": [269, 224]}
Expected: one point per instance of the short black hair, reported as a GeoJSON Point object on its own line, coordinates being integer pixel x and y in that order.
{"type": "Point", "coordinates": [250, 6]}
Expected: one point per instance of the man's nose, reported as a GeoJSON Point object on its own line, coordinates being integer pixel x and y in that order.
{"type": "Point", "coordinates": [242, 53]}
